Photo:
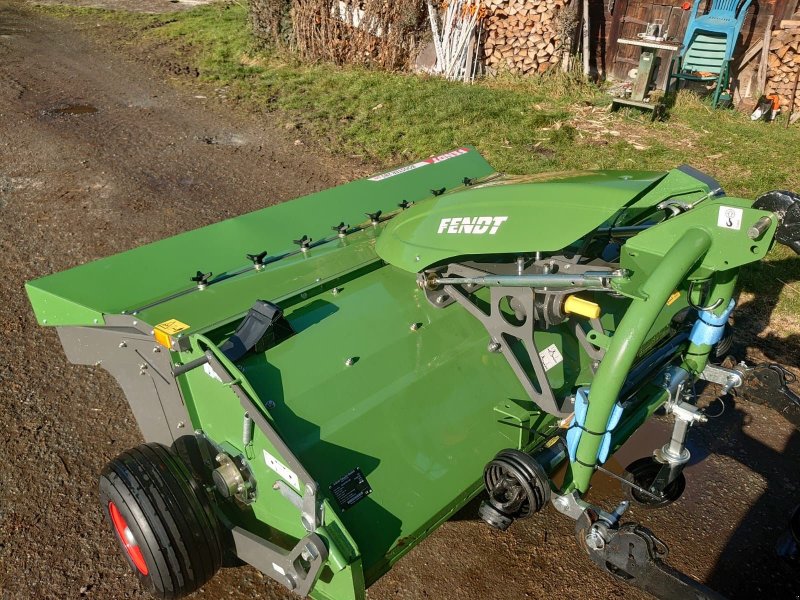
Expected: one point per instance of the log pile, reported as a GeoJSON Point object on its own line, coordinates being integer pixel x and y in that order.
{"type": "Point", "coordinates": [524, 36]}
{"type": "Point", "coordinates": [784, 63]}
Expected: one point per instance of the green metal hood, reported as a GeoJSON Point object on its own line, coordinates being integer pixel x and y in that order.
{"type": "Point", "coordinates": [129, 281]}
{"type": "Point", "coordinates": [510, 214]}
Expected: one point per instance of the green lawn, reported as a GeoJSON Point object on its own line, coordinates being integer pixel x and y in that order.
{"type": "Point", "coordinates": [521, 125]}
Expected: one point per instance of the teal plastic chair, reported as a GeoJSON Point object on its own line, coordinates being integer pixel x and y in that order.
{"type": "Point", "coordinates": [708, 45]}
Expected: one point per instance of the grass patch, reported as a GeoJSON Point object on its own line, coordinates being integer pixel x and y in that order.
{"type": "Point", "coordinates": [521, 125]}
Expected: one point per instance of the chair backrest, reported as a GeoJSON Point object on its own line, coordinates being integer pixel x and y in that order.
{"type": "Point", "coordinates": [706, 52]}
{"type": "Point", "coordinates": [718, 28]}
{"type": "Point", "coordinates": [722, 8]}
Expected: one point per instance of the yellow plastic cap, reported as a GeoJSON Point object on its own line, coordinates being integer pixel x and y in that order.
{"type": "Point", "coordinates": [578, 306]}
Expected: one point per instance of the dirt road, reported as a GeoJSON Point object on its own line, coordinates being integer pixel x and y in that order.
{"type": "Point", "coordinates": [97, 155]}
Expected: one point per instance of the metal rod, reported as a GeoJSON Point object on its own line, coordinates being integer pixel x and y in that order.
{"type": "Point", "coordinates": [624, 230]}
{"type": "Point", "coordinates": [178, 370]}
{"type": "Point", "coordinates": [794, 94]}
{"type": "Point", "coordinates": [589, 279]}
{"type": "Point", "coordinates": [586, 40]}
{"type": "Point", "coordinates": [624, 481]}
{"type": "Point", "coordinates": [677, 442]}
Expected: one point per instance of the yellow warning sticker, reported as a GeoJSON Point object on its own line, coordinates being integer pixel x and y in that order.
{"type": "Point", "coordinates": [172, 326]}
{"type": "Point", "coordinates": [673, 296]}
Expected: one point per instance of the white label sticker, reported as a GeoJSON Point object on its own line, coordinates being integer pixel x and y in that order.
{"type": "Point", "coordinates": [428, 161]}
{"type": "Point", "coordinates": [730, 217]}
{"type": "Point", "coordinates": [550, 357]}
{"type": "Point", "coordinates": [281, 469]}
{"type": "Point", "coordinates": [211, 372]}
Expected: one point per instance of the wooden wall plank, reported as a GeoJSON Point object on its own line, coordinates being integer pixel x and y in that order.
{"type": "Point", "coordinates": [625, 21]}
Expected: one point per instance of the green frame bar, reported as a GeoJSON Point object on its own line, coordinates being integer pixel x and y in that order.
{"type": "Point", "coordinates": [625, 344]}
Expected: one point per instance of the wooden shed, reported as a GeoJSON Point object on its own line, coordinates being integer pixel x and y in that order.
{"type": "Point", "coordinates": [767, 20]}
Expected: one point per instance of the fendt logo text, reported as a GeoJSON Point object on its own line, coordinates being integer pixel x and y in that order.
{"type": "Point", "coordinates": [475, 225]}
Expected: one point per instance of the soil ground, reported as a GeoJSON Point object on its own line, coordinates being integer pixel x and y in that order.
{"type": "Point", "coordinates": [98, 154]}
{"type": "Point", "coordinates": [147, 6]}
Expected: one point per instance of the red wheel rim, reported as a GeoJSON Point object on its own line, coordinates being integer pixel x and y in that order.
{"type": "Point", "coordinates": [126, 538]}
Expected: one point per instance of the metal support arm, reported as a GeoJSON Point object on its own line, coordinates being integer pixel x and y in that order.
{"type": "Point", "coordinates": [589, 280]}
{"type": "Point", "coordinates": [297, 569]}
{"type": "Point", "coordinates": [625, 344]}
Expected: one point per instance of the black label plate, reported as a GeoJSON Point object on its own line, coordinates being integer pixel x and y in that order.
{"type": "Point", "coordinates": [350, 489]}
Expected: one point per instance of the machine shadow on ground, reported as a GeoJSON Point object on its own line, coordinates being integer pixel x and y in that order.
{"type": "Point", "coordinates": [751, 547]}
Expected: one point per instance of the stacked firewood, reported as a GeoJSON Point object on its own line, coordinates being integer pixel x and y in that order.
{"type": "Point", "coordinates": [524, 36]}
{"type": "Point", "coordinates": [784, 62]}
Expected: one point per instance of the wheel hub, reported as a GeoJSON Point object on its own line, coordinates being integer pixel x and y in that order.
{"type": "Point", "coordinates": [127, 539]}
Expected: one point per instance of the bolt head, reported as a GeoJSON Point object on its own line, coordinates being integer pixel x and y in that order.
{"type": "Point", "coordinates": [493, 347]}
{"type": "Point", "coordinates": [270, 404]}
{"type": "Point", "coordinates": [595, 541]}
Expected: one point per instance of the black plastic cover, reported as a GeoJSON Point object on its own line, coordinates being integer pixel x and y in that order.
{"type": "Point", "coordinates": [263, 327]}
{"type": "Point", "coordinates": [786, 206]}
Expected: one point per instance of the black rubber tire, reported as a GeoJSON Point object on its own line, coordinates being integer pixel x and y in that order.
{"type": "Point", "coordinates": [643, 472]}
{"type": "Point", "coordinates": [169, 517]}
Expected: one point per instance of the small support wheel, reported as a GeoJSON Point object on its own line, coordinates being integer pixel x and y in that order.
{"type": "Point", "coordinates": [162, 519]}
{"type": "Point", "coordinates": [643, 472]}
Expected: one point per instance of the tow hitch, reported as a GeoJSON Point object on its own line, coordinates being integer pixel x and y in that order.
{"type": "Point", "coordinates": [767, 384]}
{"type": "Point", "coordinates": [634, 555]}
